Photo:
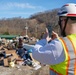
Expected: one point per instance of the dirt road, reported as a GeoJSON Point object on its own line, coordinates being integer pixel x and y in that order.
{"type": "Point", "coordinates": [23, 70]}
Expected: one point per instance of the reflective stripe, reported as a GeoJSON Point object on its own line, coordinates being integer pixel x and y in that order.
{"type": "Point", "coordinates": [71, 53]}
{"type": "Point", "coordinates": [75, 55]}
{"type": "Point", "coordinates": [72, 45]}
{"type": "Point", "coordinates": [68, 55]}
{"type": "Point", "coordinates": [75, 67]}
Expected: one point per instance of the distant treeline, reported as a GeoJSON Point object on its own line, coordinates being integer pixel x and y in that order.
{"type": "Point", "coordinates": [36, 24]}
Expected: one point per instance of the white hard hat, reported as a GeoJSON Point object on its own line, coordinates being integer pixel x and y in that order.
{"type": "Point", "coordinates": [68, 10]}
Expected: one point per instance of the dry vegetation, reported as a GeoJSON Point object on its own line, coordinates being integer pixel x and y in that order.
{"type": "Point", "coordinates": [36, 24]}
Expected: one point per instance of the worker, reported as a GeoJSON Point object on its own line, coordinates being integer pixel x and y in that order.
{"type": "Point", "coordinates": [60, 52]}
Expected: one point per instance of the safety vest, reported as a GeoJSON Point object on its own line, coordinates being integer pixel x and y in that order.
{"type": "Point", "coordinates": [68, 66]}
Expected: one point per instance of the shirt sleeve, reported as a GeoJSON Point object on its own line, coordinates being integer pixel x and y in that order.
{"type": "Point", "coordinates": [48, 53]}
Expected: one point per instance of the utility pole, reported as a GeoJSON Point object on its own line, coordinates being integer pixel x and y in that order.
{"type": "Point", "coordinates": [26, 28]}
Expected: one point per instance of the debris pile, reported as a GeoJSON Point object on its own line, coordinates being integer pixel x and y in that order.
{"type": "Point", "coordinates": [12, 53]}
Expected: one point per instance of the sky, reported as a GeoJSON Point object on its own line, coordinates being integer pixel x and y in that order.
{"type": "Point", "coordinates": [26, 8]}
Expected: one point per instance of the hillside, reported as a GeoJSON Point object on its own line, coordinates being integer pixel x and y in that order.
{"type": "Point", "coordinates": [36, 24]}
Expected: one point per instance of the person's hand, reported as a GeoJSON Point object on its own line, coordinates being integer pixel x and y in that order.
{"type": "Point", "coordinates": [54, 35]}
{"type": "Point", "coordinates": [46, 35]}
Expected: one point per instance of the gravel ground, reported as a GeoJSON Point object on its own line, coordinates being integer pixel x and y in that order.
{"type": "Point", "coordinates": [23, 70]}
